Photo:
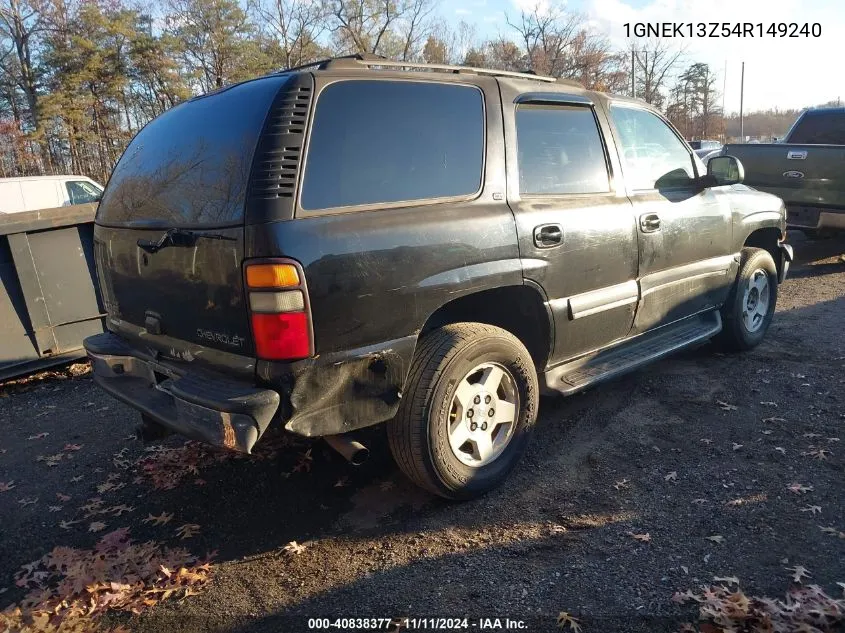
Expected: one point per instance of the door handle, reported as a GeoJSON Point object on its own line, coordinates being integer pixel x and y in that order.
{"type": "Point", "coordinates": [548, 235]}
{"type": "Point", "coordinates": [650, 222]}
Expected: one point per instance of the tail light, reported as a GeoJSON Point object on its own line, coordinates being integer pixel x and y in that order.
{"type": "Point", "coordinates": [279, 310]}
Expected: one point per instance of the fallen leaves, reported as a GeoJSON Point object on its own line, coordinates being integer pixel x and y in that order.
{"type": "Point", "coordinates": [6, 486]}
{"type": "Point", "coordinates": [736, 446]}
{"type": "Point", "coordinates": [799, 573]}
{"type": "Point", "coordinates": [294, 548]}
{"type": "Point", "coordinates": [817, 452]}
{"type": "Point", "coordinates": [769, 404]}
{"type": "Point", "coordinates": [799, 489]}
{"type": "Point", "coordinates": [96, 526]}
{"type": "Point", "coordinates": [66, 525]}
{"type": "Point", "coordinates": [805, 609]}
{"type": "Point", "coordinates": [716, 538]}
{"type": "Point", "coordinates": [622, 484]}
{"type": "Point", "coordinates": [725, 406]}
{"type": "Point", "coordinates": [730, 580]}
{"type": "Point", "coordinates": [187, 531]}
{"type": "Point", "coordinates": [38, 436]}
{"type": "Point", "coordinates": [161, 519]}
{"type": "Point", "coordinates": [72, 447]}
{"type": "Point", "coordinates": [673, 476]}
{"type": "Point", "coordinates": [645, 538]}
{"type": "Point", "coordinates": [812, 509]}
{"type": "Point", "coordinates": [62, 497]}
{"type": "Point", "coordinates": [564, 620]}
{"type": "Point", "coordinates": [28, 501]}
{"type": "Point", "coordinates": [832, 530]}
{"type": "Point", "coordinates": [71, 588]}
{"type": "Point", "coordinates": [773, 419]}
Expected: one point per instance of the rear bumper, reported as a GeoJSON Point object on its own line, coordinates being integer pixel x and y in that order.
{"type": "Point", "coordinates": [198, 405]}
{"type": "Point", "coordinates": [803, 217]}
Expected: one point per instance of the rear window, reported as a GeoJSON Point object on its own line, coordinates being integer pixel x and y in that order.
{"type": "Point", "coordinates": [560, 151]}
{"type": "Point", "coordinates": [378, 142]}
{"type": "Point", "coordinates": [819, 128]}
{"type": "Point", "coordinates": [190, 166]}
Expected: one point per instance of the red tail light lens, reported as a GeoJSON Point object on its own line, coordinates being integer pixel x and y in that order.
{"type": "Point", "coordinates": [281, 336]}
{"type": "Point", "coordinates": [278, 303]}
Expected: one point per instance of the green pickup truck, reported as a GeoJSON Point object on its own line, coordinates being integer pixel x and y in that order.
{"type": "Point", "coordinates": [806, 170]}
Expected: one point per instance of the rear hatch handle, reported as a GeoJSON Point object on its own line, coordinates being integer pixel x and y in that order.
{"type": "Point", "coordinates": [180, 237]}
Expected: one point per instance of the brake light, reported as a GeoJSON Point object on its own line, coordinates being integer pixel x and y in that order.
{"type": "Point", "coordinates": [279, 312]}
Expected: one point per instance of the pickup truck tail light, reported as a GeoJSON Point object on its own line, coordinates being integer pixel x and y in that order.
{"type": "Point", "coordinates": [279, 310]}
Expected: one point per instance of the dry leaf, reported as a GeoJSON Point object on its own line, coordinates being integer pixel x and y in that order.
{"type": "Point", "coordinates": [38, 436]}
{"type": "Point", "coordinates": [623, 483]}
{"type": "Point", "coordinates": [28, 501]}
{"type": "Point", "coordinates": [812, 509]}
{"type": "Point", "coordinates": [725, 406]}
{"type": "Point", "coordinates": [799, 573]}
{"type": "Point", "coordinates": [62, 497]}
{"type": "Point", "coordinates": [55, 508]}
{"type": "Point", "coordinates": [817, 453]}
{"type": "Point", "coordinates": [673, 476]}
{"type": "Point", "coordinates": [564, 620]}
{"type": "Point", "coordinates": [736, 446]}
{"type": "Point", "coordinates": [706, 440]}
{"type": "Point", "coordinates": [72, 447]}
{"type": "Point", "coordinates": [799, 488]}
{"type": "Point", "coordinates": [645, 538]}
{"type": "Point", "coordinates": [770, 404]}
{"type": "Point", "coordinates": [781, 450]}
{"type": "Point", "coordinates": [161, 519]}
{"type": "Point", "coordinates": [774, 420]}
{"type": "Point", "coordinates": [96, 526]}
{"type": "Point", "coordinates": [188, 530]}
{"type": "Point", "coordinates": [6, 486]}
{"type": "Point", "coordinates": [294, 548]}
{"type": "Point", "coordinates": [65, 525]}
{"type": "Point", "coordinates": [716, 538]}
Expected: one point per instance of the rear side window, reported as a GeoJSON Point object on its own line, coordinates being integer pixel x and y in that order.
{"type": "Point", "coordinates": [560, 151]}
{"type": "Point", "coordinates": [819, 128]}
{"type": "Point", "coordinates": [378, 142]}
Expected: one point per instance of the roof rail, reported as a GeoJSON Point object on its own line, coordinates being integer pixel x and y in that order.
{"type": "Point", "coordinates": [369, 60]}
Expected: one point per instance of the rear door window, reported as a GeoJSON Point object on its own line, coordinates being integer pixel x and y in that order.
{"type": "Point", "coordinates": [385, 142]}
{"type": "Point", "coordinates": [560, 151]}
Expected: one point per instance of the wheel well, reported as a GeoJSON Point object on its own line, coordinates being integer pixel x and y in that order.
{"type": "Point", "coordinates": [518, 309]}
{"type": "Point", "coordinates": [766, 239]}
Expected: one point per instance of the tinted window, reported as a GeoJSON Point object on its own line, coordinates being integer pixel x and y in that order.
{"type": "Point", "coordinates": [695, 144]}
{"type": "Point", "coordinates": [652, 155]}
{"type": "Point", "coordinates": [388, 141]}
{"type": "Point", "coordinates": [560, 151]}
{"type": "Point", "coordinates": [82, 192]}
{"type": "Point", "coordinates": [820, 128]}
{"type": "Point", "coordinates": [191, 165]}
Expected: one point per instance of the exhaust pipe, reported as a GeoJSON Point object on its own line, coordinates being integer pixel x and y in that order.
{"type": "Point", "coordinates": [353, 451]}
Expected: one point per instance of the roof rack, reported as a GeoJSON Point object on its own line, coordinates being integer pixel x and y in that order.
{"type": "Point", "coordinates": [369, 60]}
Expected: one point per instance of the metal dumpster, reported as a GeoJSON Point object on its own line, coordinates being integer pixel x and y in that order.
{"type": "Point", "coordinates": [49, 299]}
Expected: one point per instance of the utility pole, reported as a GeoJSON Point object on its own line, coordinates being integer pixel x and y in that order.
{"type": "Point", "coordinates": [741, 104]}
{"type": "Point", "coordinates": [633, 72]}
{"type": "Point", "coordinates": [724, 90]}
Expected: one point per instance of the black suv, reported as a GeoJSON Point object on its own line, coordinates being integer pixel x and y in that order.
{"type": "Point", "coordinates": [362, 241]}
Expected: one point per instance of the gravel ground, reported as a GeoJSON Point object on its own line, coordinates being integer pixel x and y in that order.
{"type": "Point", "coordinates": [696, 446]}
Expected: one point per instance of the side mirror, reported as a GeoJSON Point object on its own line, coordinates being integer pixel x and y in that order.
{"type": "Point", "coordinates": [725, 170]}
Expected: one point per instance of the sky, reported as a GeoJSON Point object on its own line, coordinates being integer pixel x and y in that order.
{"type": "Point", "coordinates": [779, 72]}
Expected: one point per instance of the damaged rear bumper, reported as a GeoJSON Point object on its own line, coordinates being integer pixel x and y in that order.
{"type": "Point", "coordinates": [198, 405]}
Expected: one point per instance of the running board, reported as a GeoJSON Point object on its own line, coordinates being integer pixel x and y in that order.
{"type": "Point", "coordinates": [598, 366]}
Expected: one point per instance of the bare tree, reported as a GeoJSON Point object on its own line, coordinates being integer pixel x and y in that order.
{"type": "Point", "coordinates": [547, 37]}
{"type": "Point", "coordinates": [655, 61]}
{"type": "Point", "coordinates": [295, 24]}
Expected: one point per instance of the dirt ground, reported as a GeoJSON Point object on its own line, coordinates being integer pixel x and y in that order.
{"type": "Point", "coordinates": [699, 445]}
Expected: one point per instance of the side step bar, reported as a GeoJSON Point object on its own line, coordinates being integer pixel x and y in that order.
{"type": "Point", "coordinates": [596, 367]}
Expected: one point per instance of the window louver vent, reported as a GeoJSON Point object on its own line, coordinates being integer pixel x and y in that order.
{"type": "Point", "coordinates": [277, 159]}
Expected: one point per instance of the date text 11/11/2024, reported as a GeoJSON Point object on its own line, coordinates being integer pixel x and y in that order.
{"type": "Point", "coordinates": [417, 624]}
{"type": "Point", "coordinates": [723, 29]}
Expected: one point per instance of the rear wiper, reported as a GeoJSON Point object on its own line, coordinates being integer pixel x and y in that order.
{"type": "Point", "coordinates": [180, 237]}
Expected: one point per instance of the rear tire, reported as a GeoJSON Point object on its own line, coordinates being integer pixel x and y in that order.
{"type": "Point", "coordinates": [466, 381]}
{"type": "Point", "coordinates": [751, 305]}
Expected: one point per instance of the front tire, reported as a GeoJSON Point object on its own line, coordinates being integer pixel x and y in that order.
{"type": "Point", "coordinates": [751, 305]}
{"type": "Point", "coordinates": [468, 410]}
